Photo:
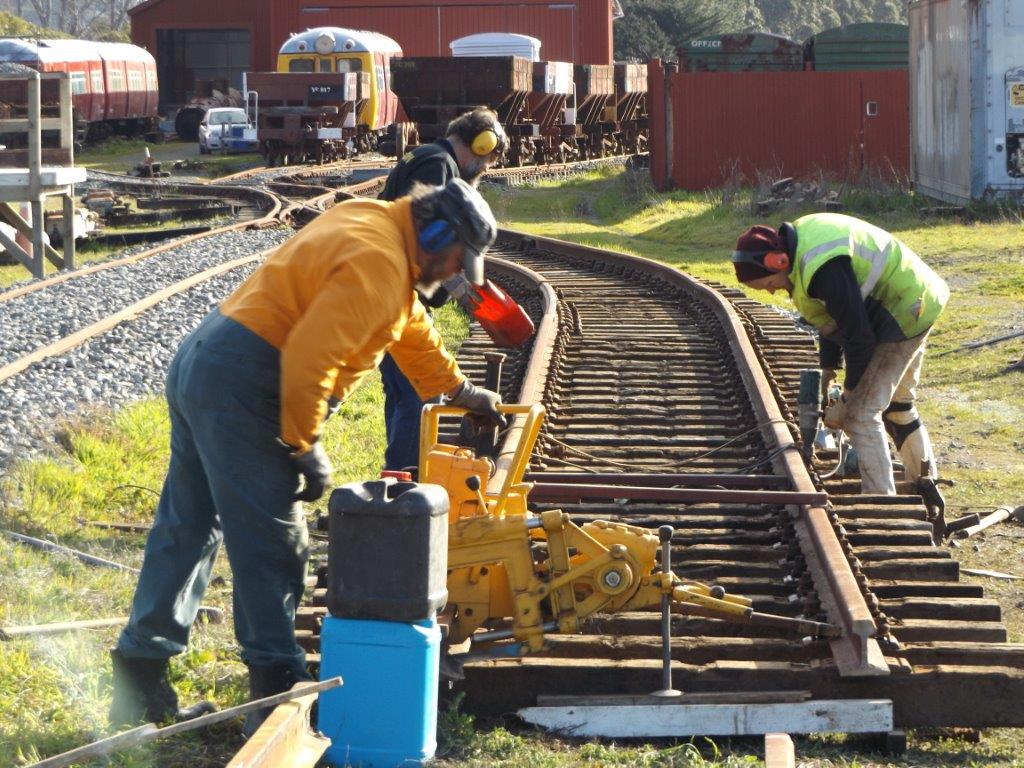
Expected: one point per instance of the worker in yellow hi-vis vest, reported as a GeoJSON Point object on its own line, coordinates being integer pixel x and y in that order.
{"type": "Point", "coordinates": [873, 301]}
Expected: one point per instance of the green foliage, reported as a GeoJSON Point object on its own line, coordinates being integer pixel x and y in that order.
{"type": "Point", "coordinates": [15, 26]}
{"type": "Point", "coordinates": [657, 27]}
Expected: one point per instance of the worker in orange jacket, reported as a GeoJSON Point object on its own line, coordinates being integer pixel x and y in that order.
{"type": "Point", "coordinates": [248, 392]}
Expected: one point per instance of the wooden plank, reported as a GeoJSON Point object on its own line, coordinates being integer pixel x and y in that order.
{"type": "Point", "coordinates": [71, 341]}
{"type": "Point", "coordinates": [21, 124]}
{"type": "Point", "coordinates": [284, 740]}
{"type": "Point", "coordinates": [19, 158]}
{"type": "Point", "coordinates": [212, 615]}
{"type": "Point", "coordinates": [779, 751]}
{"type": "Point", "coordinates": [654, 721]}
{"type": "Point", "coordinates": [710, 697]}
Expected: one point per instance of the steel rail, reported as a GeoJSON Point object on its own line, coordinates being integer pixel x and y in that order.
{"type": "Point", "coordinates": [103, 325]}
{"type": "Point", "coordinates": [532, 388]}
{"type": "Point", "coordinates": [269, 218]}
{"type": "Point", "coordinates": [857, 652]}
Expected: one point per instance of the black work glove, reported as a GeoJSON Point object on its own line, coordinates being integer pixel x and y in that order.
{"type": "Point", "coordinates": [315, 469]}
{"type": "Point", "coordinates": [480, 401]}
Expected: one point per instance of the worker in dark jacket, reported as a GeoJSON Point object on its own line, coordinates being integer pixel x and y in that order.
{"type": "Point", "coordinates": [248, 392]}
{"type": "Point", "coordinates": [472, 143]}
{"type": "Point", "coordinates": [874, 301]}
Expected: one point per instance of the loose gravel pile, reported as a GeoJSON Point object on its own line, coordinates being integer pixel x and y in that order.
{"type": "Point", "coordinates": [123, 365]}
{"type": "Point", "coordinates": [36, 319]}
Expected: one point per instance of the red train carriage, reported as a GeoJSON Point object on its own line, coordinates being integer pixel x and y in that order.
{"type": "Point", "coordinates": [113, 85]}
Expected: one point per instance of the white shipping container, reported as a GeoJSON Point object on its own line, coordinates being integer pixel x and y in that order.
{"type": "Point", "coordinates": [967, 97]}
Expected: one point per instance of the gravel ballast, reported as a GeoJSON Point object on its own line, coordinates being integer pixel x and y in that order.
{"type": "Point", "coordinates": [39, 318]}
{"type": "Point", "coordinates": [118, 367]}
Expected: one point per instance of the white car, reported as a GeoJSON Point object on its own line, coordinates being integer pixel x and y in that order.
{"type": "Point", "coordinates": [215, 129]}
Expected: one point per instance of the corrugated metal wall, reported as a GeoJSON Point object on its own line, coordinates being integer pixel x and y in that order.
{"type": "Point", "coordinates": [577, 31]}
{"type": "Point", "coordinates": [727, 125]}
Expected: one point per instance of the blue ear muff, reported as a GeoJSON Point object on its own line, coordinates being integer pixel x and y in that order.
{"type": "Point", "coordinates": [436, 236]}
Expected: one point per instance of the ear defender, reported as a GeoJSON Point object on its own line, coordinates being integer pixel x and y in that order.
{"type": "Point", "coordinates": [436, 236]}
{"type": "Point", "coordinates": [485, 143]}
{"type": "Point", "coordinates": [776, 261]}
{"type": "Point", "coordinates": [773, 261]}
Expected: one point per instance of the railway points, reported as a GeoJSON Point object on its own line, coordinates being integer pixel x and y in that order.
{"type": "Point", "coordinates": [662, 405]}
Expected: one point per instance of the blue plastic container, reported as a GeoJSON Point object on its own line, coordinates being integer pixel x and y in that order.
{"type": "Point", "coordinates": [385, 713]}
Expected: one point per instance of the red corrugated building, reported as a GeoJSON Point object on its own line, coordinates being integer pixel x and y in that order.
{"type": "Point", "coordinates": [202, 40]}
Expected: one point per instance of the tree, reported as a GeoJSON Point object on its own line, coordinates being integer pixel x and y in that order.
{"type": "Point", "coordinates": [651, 28]}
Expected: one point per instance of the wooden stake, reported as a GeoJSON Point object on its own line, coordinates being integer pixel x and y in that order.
{"type": "Point", "coordinates": [778, 751]}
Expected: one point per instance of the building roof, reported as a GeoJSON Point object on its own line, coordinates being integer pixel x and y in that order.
{"type": "Point", "coordinates": [16, 49]}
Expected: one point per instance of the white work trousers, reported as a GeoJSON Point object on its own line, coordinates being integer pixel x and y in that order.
{"type": "Point", "coordinates": [892, 375]}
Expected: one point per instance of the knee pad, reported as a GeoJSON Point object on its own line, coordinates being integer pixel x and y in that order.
{"type": "Point", "coordinates": [903, 424]}
{"type": "Point", "coordinates": [901, 421]}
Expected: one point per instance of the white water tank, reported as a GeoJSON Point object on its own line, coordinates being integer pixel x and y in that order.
{"type": "Point", "coordinates": [497, 44]}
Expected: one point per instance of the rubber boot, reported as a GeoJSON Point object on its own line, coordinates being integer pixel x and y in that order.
{"type": "Point", "coordinates": [267, 681]}
{"type": "Point", "coordinates": [143, 693]}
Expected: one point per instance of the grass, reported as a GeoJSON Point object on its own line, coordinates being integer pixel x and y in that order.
{"type": "Point", "coordinates": [108, 466]}
{"type": "Point", "coordinates": [122, 155]}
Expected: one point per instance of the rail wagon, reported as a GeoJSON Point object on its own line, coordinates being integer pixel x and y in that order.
{"type": "Point", "coordinates": [436, 89]}
{"type": "Point", "coordinates": [307, 116]}
{"type": "Point", "coordinates": [552, 111]}
{"type": "Point", "coordinates": [113, 85]}
{"type": "Point", "coordinates": [335, 49]}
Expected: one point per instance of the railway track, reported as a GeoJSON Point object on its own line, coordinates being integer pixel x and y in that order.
{"type": "Point", "coordinates": [651, 378]}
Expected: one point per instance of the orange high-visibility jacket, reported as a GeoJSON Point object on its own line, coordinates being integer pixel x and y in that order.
{"type": "Point", "coordinates": [333, 300]}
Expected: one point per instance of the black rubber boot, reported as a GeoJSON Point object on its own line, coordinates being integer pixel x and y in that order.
{"type": "Point", "coordinates": [267, 681]}
{"type": "Point", "coordinates": [143, 693]}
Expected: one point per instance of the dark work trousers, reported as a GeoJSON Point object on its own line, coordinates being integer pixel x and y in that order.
{"type": "Point", "coordinates": [402, 410]}
{"type": "Point", "coordinates": [228, 480]}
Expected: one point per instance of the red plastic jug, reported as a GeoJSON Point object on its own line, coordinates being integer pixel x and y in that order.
{"type": "Point", "coordinates": [505, 321]}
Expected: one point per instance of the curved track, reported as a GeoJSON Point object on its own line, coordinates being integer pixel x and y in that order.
{"type": "Point", "coordinates": [651, 378]}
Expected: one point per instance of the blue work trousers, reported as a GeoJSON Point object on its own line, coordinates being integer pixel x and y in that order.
{"type": "Point", "coordinates": [229, 480]}
{"type": "Point", "coordinates": [402, 411]}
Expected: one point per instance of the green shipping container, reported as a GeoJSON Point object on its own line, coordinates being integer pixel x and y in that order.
{"type": "Point", "coordinates": [747, 52]}
{"type": "Point", "coordinates": [873, 45]}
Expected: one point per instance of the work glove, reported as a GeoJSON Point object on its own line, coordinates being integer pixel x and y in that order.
{"type": "Point", "coordinates": [315, 469]}
{"type": "Point", "coordinates": [480, 401]}
{"type": "Point", "coordinates": [835, 414]}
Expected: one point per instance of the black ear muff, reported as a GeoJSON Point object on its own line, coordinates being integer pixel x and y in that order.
{"type": "Point", "coordinates": [485, 143]}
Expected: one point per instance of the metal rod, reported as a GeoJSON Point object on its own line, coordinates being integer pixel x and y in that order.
{"type": "Point", "coordinates": [49, 546]}
{"type": "Point", "coordinates": [660, 480]}
{"type": "Point", "coordinates": [507, 634]}
{"type": "Point", "coordinates": [665, 536]}
{"type": "Point", "coordinates": [579, 491]}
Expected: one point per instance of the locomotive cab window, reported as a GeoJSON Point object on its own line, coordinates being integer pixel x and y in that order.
{"type": "Point", "coordinates": [78, 84]}
{"type": "Point", "coordinates": [350, 65]}
{"type": "Point", "coordinates": [326, 65]}
{"type": "Point", "coordinates": [301, 65]}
